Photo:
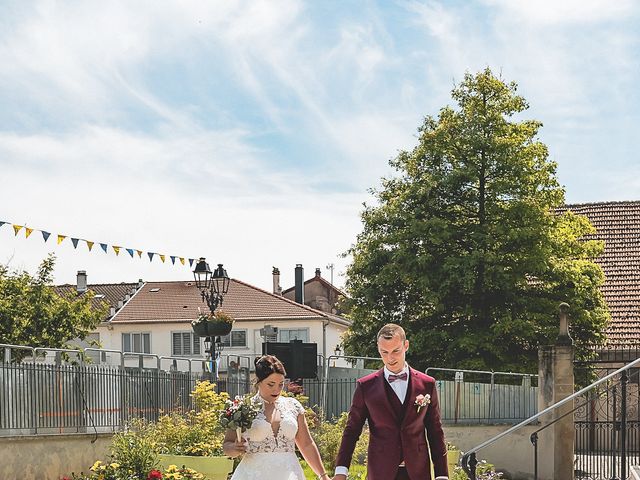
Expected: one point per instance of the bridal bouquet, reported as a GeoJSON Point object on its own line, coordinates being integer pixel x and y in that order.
{"type": "Point", "coordinates": [239, 414]}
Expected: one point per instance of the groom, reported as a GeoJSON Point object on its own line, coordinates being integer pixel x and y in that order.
{"type": "Point", "coordinates": [401, 405]}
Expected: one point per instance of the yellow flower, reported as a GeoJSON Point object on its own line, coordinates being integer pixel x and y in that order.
{"type": "Point", "coordinates": [172, 468]}
{"type": "Point", "coordinates": [114, 465]}
{"type": "Point", "coordinates": [174, 475]}
{"type": "Point", "coordinates": [96, 466]}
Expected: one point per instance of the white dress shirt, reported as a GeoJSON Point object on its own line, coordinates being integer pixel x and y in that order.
{"type": "Point", "coordinates": [400, 389]}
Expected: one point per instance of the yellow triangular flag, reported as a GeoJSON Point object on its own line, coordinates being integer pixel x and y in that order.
{"type": "Point", "coordinates": [162, 258]}
{"type": "Point", "coordinates": [116, 249]}
{"type": "Point", "coordinates": [139, 253]}
{"type": "Point", "coordinates": [182, 260]}
{"type": "Point", "coordinates": [27, 231]}
{"type": "Point", "coordinates": [17, 228]}
{"type": "Point", "coordinates": [61, 238]}
{"type": "Point", "coordinates": [89, 244]}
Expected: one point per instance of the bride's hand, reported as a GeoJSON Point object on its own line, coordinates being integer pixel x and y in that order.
{"type": "Point", "coordinates": [234, 449]}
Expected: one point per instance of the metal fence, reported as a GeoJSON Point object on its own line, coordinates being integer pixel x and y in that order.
{"type": "Point", "coordinates": [483, 397]}
{"type": "Point", "coordinates": [48, 398]}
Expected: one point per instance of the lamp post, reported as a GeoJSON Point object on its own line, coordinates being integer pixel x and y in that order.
{"type": "Point", "coordinates": [213, 287]}
{"type": "Point", "coordinates": [337, 351]}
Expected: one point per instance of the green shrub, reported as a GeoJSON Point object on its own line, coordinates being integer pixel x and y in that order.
{"type": "Point", "coordinates": [134, 450]}
{"type": "Point", "coordinates": [196, 433]}
{"type": "Point", "coordinates": [328, 436]}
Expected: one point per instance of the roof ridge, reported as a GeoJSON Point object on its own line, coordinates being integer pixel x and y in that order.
{"type": "Point", "coordinates": [306, 307]}
{"type": "Point", "coordinates": [611, 202]}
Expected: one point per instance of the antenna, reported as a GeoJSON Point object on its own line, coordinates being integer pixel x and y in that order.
{"type": "Point", "coordinates": [331, 266]}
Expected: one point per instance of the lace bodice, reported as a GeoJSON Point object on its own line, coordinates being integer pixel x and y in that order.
{"type": "Point", "coordinates": [260, 436]}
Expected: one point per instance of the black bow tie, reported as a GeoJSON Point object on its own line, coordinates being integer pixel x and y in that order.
{"type": "Point", "coordinates": [401, 376]}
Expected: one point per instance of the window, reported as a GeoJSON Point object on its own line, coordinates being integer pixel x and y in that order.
{"type": "Point", "coordinates": [136, 342]}
{"type": "Point", "coordinates": [237, 338]}
{"type": "Point", "coordinates": [288, 334]}
{"type": "Point", "coordinates": [184, 344]}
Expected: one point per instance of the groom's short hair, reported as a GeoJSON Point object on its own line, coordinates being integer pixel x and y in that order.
{"type": "Point", "coordinates": [391, 330]}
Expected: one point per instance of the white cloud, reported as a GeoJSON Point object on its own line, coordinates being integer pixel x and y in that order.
{"type": "Point", "coordinates": [557, 13]}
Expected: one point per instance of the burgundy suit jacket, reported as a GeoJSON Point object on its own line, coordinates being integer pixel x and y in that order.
{"type": "Point", "coordinates": [392, 437]}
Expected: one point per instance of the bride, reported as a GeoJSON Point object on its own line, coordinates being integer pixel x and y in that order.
{"type": "Point", "coordinates": [269, 446]}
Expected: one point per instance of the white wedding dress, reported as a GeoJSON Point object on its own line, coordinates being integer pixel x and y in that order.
{"type": "Point", "coordinates": [272, 456]}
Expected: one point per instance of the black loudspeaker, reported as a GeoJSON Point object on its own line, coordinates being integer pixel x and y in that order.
{"type": "Point", "coordinates": [300, 359]}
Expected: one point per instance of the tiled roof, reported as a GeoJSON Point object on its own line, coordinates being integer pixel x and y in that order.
{"type": "Point", "coordinates": [618, 225]}
{"type": "Point", "coordinates": [320, 279]}
{"type": "Point", "coordinates": [110, 293]}
{"type": "Point", "coordinates": [179, 301]}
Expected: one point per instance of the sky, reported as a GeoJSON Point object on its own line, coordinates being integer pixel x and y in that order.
{"type": "Point", "coordinates": [250, 132]}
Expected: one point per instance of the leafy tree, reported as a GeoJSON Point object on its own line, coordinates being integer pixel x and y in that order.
{"type": "Point", "coordinates": [467, 247]}
{"type": "Point", "coordinates": [32, 313]}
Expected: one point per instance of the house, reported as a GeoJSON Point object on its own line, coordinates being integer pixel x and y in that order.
{"type": "Point", "coordinates": [156, 320]}
{"type": "Point", "coordinates": [618, 225]}
{"type": "Point", "coordinates": [115, 295]}
{"type": "Point", "coordinates": [316, 292]}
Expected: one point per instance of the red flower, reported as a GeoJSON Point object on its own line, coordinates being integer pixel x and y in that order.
{"type": "Point", "coordinates": [154, 475]}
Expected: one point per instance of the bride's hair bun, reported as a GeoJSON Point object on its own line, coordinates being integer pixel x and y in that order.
{"type": "Point", "coordinates": [266, 365]}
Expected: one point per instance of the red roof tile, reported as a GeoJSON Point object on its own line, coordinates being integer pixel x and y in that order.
{"type": "Point", "coordinates": [618, 225]}
{"type": "Point", "coordinates": [179, 301]}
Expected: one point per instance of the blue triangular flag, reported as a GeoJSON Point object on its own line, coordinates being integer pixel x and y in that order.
{"type": "Point", "coordinates": [130, 251]}
{"type": "Point", "coordinates": [191, 262]}
{"type": "Point", "coordinates": [173, 259]}
{"type": "Point", "coordinates": [45, 235]}
{"type": "Point", "coordinates": [104, 246]}
{"type": "Point", "coordinates": [75, 242]}
{"type": "Point", "coordinates": [151, 254]}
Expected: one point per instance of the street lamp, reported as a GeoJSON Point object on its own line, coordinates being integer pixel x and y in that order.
{"type": "Point", "coordinates": [337, 351]}
{"type": "Point", "coordinates": [213, 287]}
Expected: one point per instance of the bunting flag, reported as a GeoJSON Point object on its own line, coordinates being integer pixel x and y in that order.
{"type": "Point", "coordinates": [104, 246]}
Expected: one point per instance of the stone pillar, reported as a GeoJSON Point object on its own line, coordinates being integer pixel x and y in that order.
{"type": "Point", "coordinates": [556, 382]}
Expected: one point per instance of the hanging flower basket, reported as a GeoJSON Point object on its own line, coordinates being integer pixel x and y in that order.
{"type": "Point", "coordinates": [216, 324]}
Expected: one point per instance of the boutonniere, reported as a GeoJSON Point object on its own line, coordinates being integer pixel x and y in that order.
{"type": "Point", "coordinates": [422, 401]}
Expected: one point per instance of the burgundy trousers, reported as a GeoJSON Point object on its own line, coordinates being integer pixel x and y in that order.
{"type": "Point", "coordinates": [402, 474]}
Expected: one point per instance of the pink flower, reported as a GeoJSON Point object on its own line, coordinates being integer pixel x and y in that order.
{"type": "Point", "coordinates": [422, 401]}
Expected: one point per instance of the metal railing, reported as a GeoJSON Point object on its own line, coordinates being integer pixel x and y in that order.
{"type": "Point", "coordinates": [43, 395]}
{"type": "Point", "coordinates": [469, 460]}
{"type": "Point", "coordinates": [488, 397]}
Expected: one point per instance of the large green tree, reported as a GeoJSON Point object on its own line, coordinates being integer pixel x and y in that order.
{"type": "Point", "coordinates": [466, 246]}
{"type": "Point", "coordinates": [32, 313]}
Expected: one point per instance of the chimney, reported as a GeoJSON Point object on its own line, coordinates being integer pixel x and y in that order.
{"type": "Point", "coordinates": [277, 289]}
{"type": "Point", "coordinates": [81, 281]}
{"type": "Point", "coordinates": [299, 283]}
{"type": "Point", "coordinates": [140, 283]}
{"type": "Point", "coordinates": [318, 272]}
